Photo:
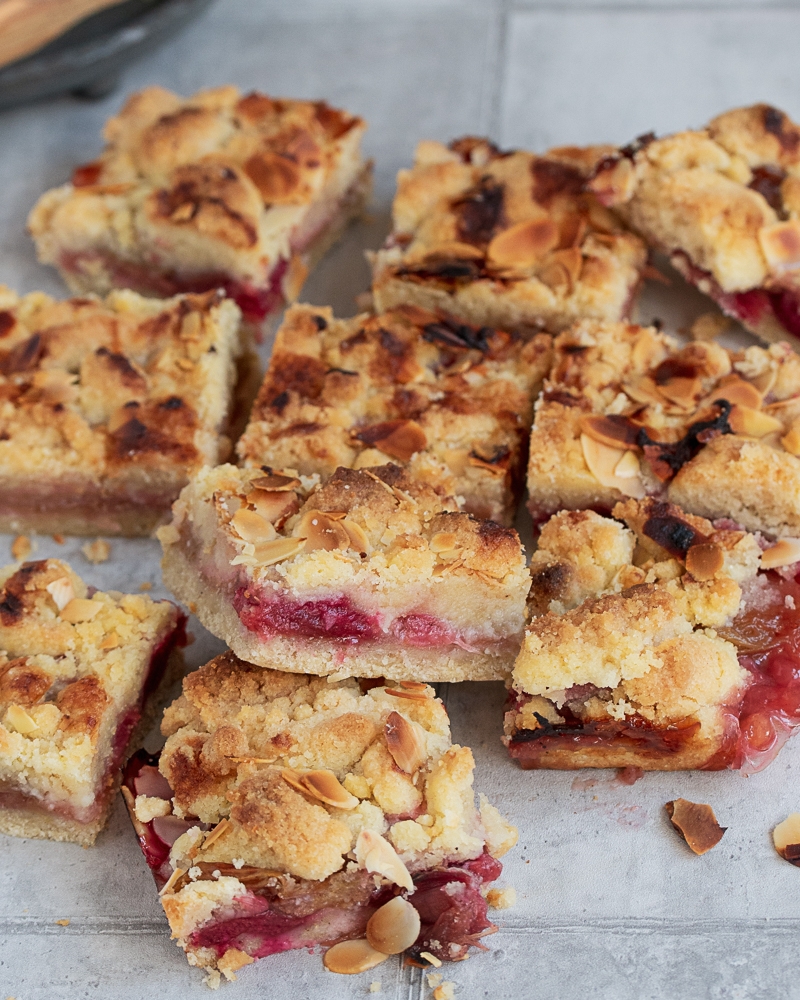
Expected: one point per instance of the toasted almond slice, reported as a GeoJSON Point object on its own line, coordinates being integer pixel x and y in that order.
{"type": "Point", "coordinates": [602, 460]}
{"type": "Point", "coordinates": [62, 591]}
{"type": "Point", "coordinates": [273, 505]}
{"type": "Point", "coordinates": [765, 380]}
{"type": "Point", "coordinates": [705, 560]}
{"type": "Point", "coordinates": [523, 245]}
{"type": "Point", "coordinates": [615, 431]}
{"type": "Point", "coordinates": [572, 259]}
{"type": "Point", "coordinates": [176, 876]}
{"type": "Point", "coordinates": [214, 835]}
{"type": "Point", "coordinates": [443, 541]}
{"type": "Point", "coordinates": [786, 838]}
{"type": "Point", "coordinates": [414, 686]}
{"type": "Point", "coordinates": [351, 957]}
{"type": "Point", "coordinates": [628, 466]}
{"type": "Point", "coordinates": [279, 550]}
{"type": "Point", "coordinates": [644, 390]}
{"type": "Point", "coordinates": [791, 439]}
{"type": "Point", "coordinates": [376, 854]}
{"type": "Point", "coordinates": [709, 326]}
{"type": "Point", "coordinates": [752, 423]}
{"type": "Point", "coordinates": [19, 720]}
{"type": "Point", "coordinates": [696, 823]}
{"type": "Point", "coordinates": [737, 391]}
{"type": "Point", "coordinates": [276, 482]}
{"type": "Point", "coordinates": [294, 779]}
{"type": "Point", "coordinates": [80, 609]}
{"type": "Point", "coordinates": [647, 351]}
{"type": "Point", "coordinates": [252, 527]}
{"type": "Point", "coordinates": [681, 391]}
{"type": "Point", "coordinates": [393, 927]}
{"type": "Point", "coordinates": [556, 276]}
{"type": "Point", "coordinates": [405, 743]}
{"type": "Point", "coordinates": [490, 467]}
{"type": "Point", "coordinates": [408, 695]}
{"type": "Point", "coordinates": [615, 184]}
{"type": "Point", "coordinates": [325, 786]}
{"type": "Point", "coordinates": [780, 244]}
{"type": "Point", "coordinates": [452, 251]}
{"type": "Point", "coordinates": [139, 828]}
{"type": "Point", "coordinates": [321, 532]}
{"type": "Point", "coordinates": [358, 540]}
{"type": "Point", "coordinates": [783, 553]}
{"type": "Point", "coordinates": [398, 439]}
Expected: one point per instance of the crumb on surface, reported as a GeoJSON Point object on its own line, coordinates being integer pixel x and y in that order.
{"type": "Point", "coordinates": [63, 923]}
{"type": "Point", "coordinates": [446, 991]}
{"type": "Point", "coordinates": [58, 539]}
{"type": "Point", "coordinates": [212, 980]}
{"type": "Point", "coordinates": [502, 899]}
{"type": "Point", "coordinates": [709, 326]}
{"type": "Point", "coordinates": [434, 979]}
{"type": "Point", "coordinates": [21, 547]}
{"type": "Point", "coordinates": [146, 585]}
{"type": "Point", "coordinates": [375, 986]}
{"type": "Point", "coordinates": [97, 551]}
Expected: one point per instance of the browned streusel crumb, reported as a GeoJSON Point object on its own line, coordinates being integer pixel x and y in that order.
{"type": "Point", "coordinates": [65, 692]}
{"type": "Point", "coordinates": [450, 402]}
{"type": "Point", "coordinates": [627, 411]}
{"type": "Point", "coordinates": [629, 625]}
{"type": "Point", "coordinates": [320, 793]}
{"type": "Point", "coordinates": [506, 239]}
{"type": "Point", "coordinates": [97, 551]}
{"type": "Point", "coordinates": [21, 547]}
{"type": "Point", "coordinates": [369, 573]}
{"type": "Point", "coordinates": [724, 203]}
{"type": "Point", "coordinates": [110, 405]}
{"type": "Point", "coordinates": [246, 190]}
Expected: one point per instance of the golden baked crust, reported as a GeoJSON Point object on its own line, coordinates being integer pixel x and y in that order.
{"type": "Point", "coordinates": [506, 239]}
{"type": "Point", "coordinates": [369, 574]}
{"type": "Point", "coordinates": [240, 741]}
{"type": "Point", "coordinates": [626, 636]}
{"type": "Point", "coordinates": [72, 682]}
{"type": "Point", "coordinates": [450, 402]}
{"type": "Point", "coordinates": [216, 186]}
{"type": "Point", "coordinates": [627, 411]}
{"type": "Point", "coordinates": [724, 202]}
{"type": "Point", "coordinates": [107, 405]}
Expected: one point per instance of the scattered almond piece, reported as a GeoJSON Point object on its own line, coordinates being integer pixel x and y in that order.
{"type": "Point", "coordinates": [63, 923]}
{"type": "Point", "coordinates": [375, 986]}
{"type": "Point", "coordinates": [434, 979]}
{"type": "Point", "coordinates": [97, 551]}
{"type": "Point", "coordinates": [146, 585]}
{"type": "Point", "coordinates": [786, 837]}
{"type": "Point", "coordinates": [58, 539]}
{"type": "Point", "coordinates": [80, 609]}
{"type": "Point", "coordinates": [446, 991]}
{"type": "Point", "coordinates": [502, 899]}
{"type": "Point", "coordinates": [709, 326]}
{"type": "Point", "coordinates": [21, 547]}
{"type": "Point", "coordinates": [784, 552]}
{"type": "Point", "coordinates": [352, 957]}
{"type": "Point", "coordinates": [696, 823]}
{"type": "Point", "coordinates": [437, 962]}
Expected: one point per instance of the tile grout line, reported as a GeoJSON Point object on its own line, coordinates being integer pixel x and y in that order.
{"type": "Point", "coordinates": [610, 7]}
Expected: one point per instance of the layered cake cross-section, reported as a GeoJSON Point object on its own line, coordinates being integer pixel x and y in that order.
{"type": "Point", "coordinates": [660, 641]}
{"type": "Point", "coordinates": [628, 411]}
{"type": "Point", "coordinates": [217, 190]}
{"type": "Point", "coordinates": [106, 406]}
{"type": "Point", "coordinates": [286, 811]}
{"type": "Point", "coordinates": [76, 670]}
{"type": "Point", "coordinates": [368, 574]}
{"type": "Point", "coordinates": [506, 239]}
{"type": "Point", "coordinates": [451, 402]}
{"type": "Point", "coordinates": [723, 202]}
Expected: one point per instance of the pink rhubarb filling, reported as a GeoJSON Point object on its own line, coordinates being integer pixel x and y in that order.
{"type": "Point", "coordinates": [453, 912]}
{"type": "Point", "coordinates": [764, 716]}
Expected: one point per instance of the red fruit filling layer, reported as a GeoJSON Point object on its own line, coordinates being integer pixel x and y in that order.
{"type": "Point", "coordinates": [752, 306]}
{"type": "Point", "coordinates": [767, 713]}
{"type": "Point", "coordinates": [279, 913]}
{"type": "Point", "coordinates": [337, 618]}
{"type": "Point", "coordinates": [256, 302]}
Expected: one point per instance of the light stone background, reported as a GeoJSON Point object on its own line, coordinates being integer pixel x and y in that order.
{"type": "Point", "coordinates": [611, 904]}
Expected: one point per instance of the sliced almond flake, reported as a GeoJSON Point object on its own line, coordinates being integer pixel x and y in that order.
{"type": "Point", "coordinates": [80, 609]}
{"type": "Point", "coordinates": [784, 552]}
{"type": "Point", "coordinates": [443, 541]}
{"type": "Point", "coordinates": [414, 686]}
{"type": "Point", "coordinates": [252, 527]}
{"type": "Point", "coordinates": [18, 718]}
{"type": "Point", "coordinates": [279, 550]}
{"type": "Point", "coordinates": [644, 390]}
{"type": "Point", "coordinates": [752, 423]}
{"type": "Point", "coordinates": [780, 244]}
{"type": "Point", "coordinates": [696, 823]}
{"type": "Point", "coordinates": [786, 838]}
{"type": "Point", "coordinates": [215, 834]}
{"type": "Point", "coordinates": [351, 957]}
{"type": "Point", "coordinates": [409, 695]}
{"type": "Point", "coordinates": [683, 392]}
{"type": "Point", "coordinates": [273, 505]}
{"type": "Point", "coordinates": [628, 466]}
{"type": "Point", "coordinates": [325, 786]}
{"type": "Point", "coordinates": [705, 560]}
{"type": "Point", "coordinates": [737, 391]}
{"type": "Point", "coordinates": [321, 532]}
{"type": "Point", "coordinates": [765, 380]}
{"type": "Point", "coordinates": [614, 431]}
{"type": "Point", "coordinates": [176, 876]}
{"type": "Point", "coordinates": [602, 461]}
{"type": "Point", "coordinates": [62, 591]}
{"type": "Point", "coordinates": [434, 961]}
{"type": "Point", "coordinates": [525, 244]}
{"type": "Point", "coordinates": [294, 779]}
{"type": "Point", "coordinates": [358, 540]}
{"type": "Point", "coordinates": [405, 743]}
{"type": "Point", "coordinates": [275, 482]}
{"type": "Point", "coordinates": [375, 854]}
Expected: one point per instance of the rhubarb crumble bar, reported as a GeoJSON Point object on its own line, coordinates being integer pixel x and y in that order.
{"type": "Point", "coordinates": [214, 190]}
{"type": "Point", "coordinates": [629, 412]}
{"type": "Point", "coordinates": [367, 574]}
{"type": "Point", "coordinates": [287, 811]}
{"type": "Point", "coordinates": [724, 203]}
{"type": "Point", "coordinates": [107, 406]}
{"type": "Point", "coordinates": [506, 239]}
{"type": "Point", "coordinates": [75, 673]}
{"type": "Point", "coordinates": [660, 641]}
{"type": "Point", "coordinates": [451, 402]}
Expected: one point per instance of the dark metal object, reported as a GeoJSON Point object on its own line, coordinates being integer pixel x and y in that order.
{"type": "Point", "coordinates": [87, 60]}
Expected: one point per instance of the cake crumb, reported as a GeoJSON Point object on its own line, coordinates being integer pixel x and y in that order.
{"type": "Point", "coordinates": [146, 585]}
{"type": "Point", "coordinates": [446, 991]}
{"type": "Point", "coordinates": [63, 923]}
{"type": "Point", "coordinates": [192, 607]}
{"type": "Point", "coordinates": [97, 551]}
{"type": "Point", "coordinates": [434, 979]}
{"type": "Point", "coordinates": [212, 980]}
{"type": "Point", "coordinates": [237, 863]}
{"type": "Point", "coordinates": [375, 987]}
{"type": "Point", "coordinates": [58, 539]}
{"type": "Point", "coordinates": [21, 547]}
{"type": "Point", "coordinates": [789, 601]}
{"type": "Point", "coordinates": [708, 326]}
{"type": "Point", "coordinates": [501, 899]}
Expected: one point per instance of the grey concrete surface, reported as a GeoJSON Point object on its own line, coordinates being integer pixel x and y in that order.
{"type": "Point", "coordinates": [611, 904]}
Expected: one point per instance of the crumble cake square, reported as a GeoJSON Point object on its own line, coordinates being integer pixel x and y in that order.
{"type": "Point", "coordinates": [215, 190]}
{"type": "Point", "coordinates": [108, 405]}
{"type": "Point", "coordinates": [659, 641]}
{"type": "Point", "coordinates": [451, 402]}
{"type": "Point", "coordinates": [628, 411]}
{"type": "Point", "coordinates": [506, 239]}
{"type": "Point", "coordinates": [76, 669]}
{"type": "Point", "coordinates": [287, 811]}
{"type": "Point", "coordinates": [368, 574]}
{"type": "Point", "coordinates": [723, 202]}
